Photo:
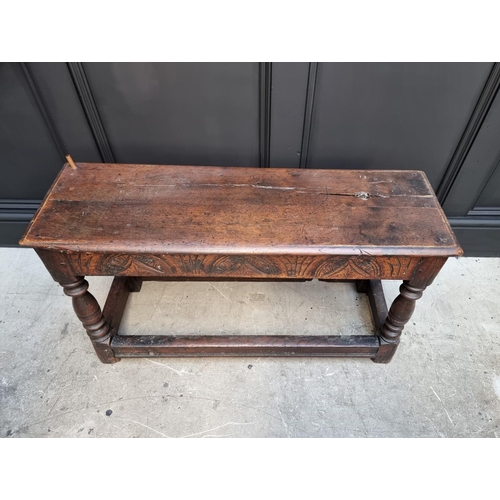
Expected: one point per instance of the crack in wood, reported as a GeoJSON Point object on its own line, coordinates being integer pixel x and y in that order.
{"type": "Point", "coordinates": [361, 194]}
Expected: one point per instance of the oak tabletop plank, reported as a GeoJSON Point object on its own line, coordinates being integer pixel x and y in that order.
{"type": "Point", "coordinates": [189, 209]}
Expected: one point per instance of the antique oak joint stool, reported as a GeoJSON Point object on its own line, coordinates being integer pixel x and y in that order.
{"type": "Point", "coordinates": [164, 222]}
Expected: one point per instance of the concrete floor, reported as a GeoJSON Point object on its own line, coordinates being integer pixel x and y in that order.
{"type": "Point", "coordinates": [443, 382]}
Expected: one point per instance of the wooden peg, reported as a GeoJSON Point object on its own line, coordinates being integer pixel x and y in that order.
{"type": "Point", "coordinates": [70, 161]}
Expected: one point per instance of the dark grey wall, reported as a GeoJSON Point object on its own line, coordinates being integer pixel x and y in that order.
{"type": "Point", "coordinates": [443, 118]}
{"type": "Point", "coordinates": [179, 113]}
{"type": "Point", "coordinates": [289, 91]}
{"type": "Point", "coordinates": [393, 116]}
{"type": "Point", "coordinates": [29, 157]}
{"type": "Point", "coordinates": [473, 201]}
{"type": "Point", "coordinates": [476, 178]}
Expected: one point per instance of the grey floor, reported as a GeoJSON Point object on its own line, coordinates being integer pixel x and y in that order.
{"type": "Point", "coordinates": [443, 382]}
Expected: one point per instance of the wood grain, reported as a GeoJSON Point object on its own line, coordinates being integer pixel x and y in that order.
{"type": "Point", "coordinates": [161, 209]}
{"type": "Point", "coordinates": [242, 266]}
{"type": "Point", "coordinates": [89, 313]}
{"type": "Point", "coordinates": [126, 346]}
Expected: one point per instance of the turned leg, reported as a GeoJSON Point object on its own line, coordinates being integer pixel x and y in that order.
{"type": "Point", "coordinates": [399, 314]}
{"type": "Point", "coordinates": [403, 306]}
{"type": "Point", "coordinates": [88, 311]}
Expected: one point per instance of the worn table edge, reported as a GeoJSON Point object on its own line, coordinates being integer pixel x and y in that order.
{"type": "Point", "coordinates": [448, 251]}
{"type": "Point", "coordinates": [387, 251]}
{"type": "Point", "coordinates": [24, 241]}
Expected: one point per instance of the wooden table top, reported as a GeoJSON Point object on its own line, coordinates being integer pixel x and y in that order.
{"type": "Point", "coordinates": [183, 209]}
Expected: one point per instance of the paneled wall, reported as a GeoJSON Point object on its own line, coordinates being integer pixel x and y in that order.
{"type": "Point", "coordinates": [442, 118]}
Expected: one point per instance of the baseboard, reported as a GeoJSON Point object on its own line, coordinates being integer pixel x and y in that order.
{"type": "Point", "coordinates": [14, 217]}
{"type": "Point", "coordinates": [11, 232]}
{"type": "Point", "coordinates": [479, 237]}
